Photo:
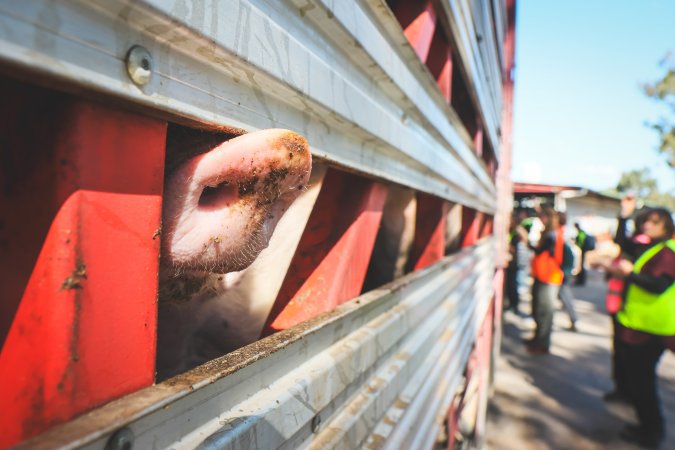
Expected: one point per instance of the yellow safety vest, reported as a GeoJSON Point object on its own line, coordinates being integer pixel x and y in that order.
{"type": "Point", "coordinates": [647, 311]}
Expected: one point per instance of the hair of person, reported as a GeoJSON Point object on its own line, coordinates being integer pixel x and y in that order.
{"type": "Point", "coordinates": [552, 216]}
{"type": "Point", "coordinates": [562, 218]}
{"type": "Point", "coordinates": [664, 215]}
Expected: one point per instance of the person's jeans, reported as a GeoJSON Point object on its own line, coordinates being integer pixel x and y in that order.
{"type": "Point", "coordinates": [543, 306]}
{"type": "Point", "coordinates": [567, 298]}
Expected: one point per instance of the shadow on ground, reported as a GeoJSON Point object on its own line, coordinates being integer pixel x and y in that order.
{"type": "Point", "coordinates": [555, 401]}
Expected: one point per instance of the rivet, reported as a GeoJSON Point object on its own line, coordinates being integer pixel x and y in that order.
{"type": "Point", "coordinates": [139, 65]}
{"type": "Point", "coordinates": [316, 422]}
{"type": "Point", "coordinates": [122, 439]}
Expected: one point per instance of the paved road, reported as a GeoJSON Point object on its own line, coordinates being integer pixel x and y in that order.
{"type": "Point", "coordinates": [555, 401]}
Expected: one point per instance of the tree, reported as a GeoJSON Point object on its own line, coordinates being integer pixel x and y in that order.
{"type": "Point", "coordinates": [645, 187]}
{"type": "Point", "coordinates": [663, 91]}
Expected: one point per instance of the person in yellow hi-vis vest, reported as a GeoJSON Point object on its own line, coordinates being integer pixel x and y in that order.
{"type": "Point", "coordinates": [646, 324]}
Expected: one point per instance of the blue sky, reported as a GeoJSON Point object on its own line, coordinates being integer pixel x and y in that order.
{"type": "Point", "coordinates": [579, 110]}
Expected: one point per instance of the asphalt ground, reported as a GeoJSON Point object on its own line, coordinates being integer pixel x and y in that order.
{"type": "Point", "coordinates": [555, 401]}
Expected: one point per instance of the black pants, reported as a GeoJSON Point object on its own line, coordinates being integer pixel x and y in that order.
{"type": "Point", "coordinates": [618, 360]}
{"type": "Point", "coordinates": [640, 364]}
{"type": "Point", "coordinates": [511, 285]}
{"type": "Point", "coordinates": [581, 276]}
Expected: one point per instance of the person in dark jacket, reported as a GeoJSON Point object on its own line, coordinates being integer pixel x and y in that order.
{"type": "Point", "coordinates": [585, 242]}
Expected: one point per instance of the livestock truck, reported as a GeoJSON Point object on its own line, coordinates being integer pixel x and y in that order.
{"type": "Point", "coordinates": [252, 223]}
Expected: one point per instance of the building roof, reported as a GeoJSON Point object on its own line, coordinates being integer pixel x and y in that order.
{"type": "Point", "coordinates": [553, 189]}
{"type": "Point", "coordinates": [532, 188]}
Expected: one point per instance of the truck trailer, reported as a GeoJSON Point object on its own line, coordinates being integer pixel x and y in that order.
{"type": "Point", "coordinates": [371, 318]}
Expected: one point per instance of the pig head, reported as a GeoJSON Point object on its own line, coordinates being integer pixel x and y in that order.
{"type": "Point", "coordinates": [222, 201]}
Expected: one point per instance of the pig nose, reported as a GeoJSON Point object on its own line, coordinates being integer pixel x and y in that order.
{"type": "Point", "coordinates": [218, 206]}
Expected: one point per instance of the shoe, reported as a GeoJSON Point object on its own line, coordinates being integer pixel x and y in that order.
{"type": "Point", "coordinates": [644, 438]}
{"type": "Point", "coordinates": [615, 397]}
{"type": "Point", "coordinates": [573, 327]}
{"type": "Point", "coordinates": [534, 350]}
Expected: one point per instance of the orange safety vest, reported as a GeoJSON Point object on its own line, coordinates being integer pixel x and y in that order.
{"type": "Point", "coordinates": [546, 268]}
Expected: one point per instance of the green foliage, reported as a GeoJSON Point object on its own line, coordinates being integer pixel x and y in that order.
{"type": "Point", "coordinates": [663, 91]}
{"type": "Point", "coordinates": [644, 186]}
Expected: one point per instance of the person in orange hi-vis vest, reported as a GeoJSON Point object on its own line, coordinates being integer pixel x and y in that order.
{"type": "Point", "coordinates": [548, 276]}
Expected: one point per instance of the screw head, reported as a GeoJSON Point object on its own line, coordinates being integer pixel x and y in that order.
{"type": "Point", "coordinates": [139, 65]}
{"type": "Point", "coordinates": [122, 439]}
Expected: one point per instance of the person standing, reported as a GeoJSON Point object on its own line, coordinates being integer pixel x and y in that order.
{"type": "Point", "coordinates": [511, 280]}
{"type": "Point", "coordinates": [632, 246]}
{"type": "Point", "coordinates": [646, 324]}
{"type": "Point", "coordinates": [567, 265]}
{"type": "Point", "coordinates": [585, 242]}
{"type": "Point", "coordinates": [548, 277]}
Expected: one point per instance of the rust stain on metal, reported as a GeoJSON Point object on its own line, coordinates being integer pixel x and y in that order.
{"type": "Point", "coordinates": [376, 384]}
{"type": "Point", "coordinates": [401, 404]}
{"type": "Point", "coordinates": [74, 281]}
{"type": "Point", "coordinates": [387, 420]}
{"type": "Point", "coordinates": [403, 356]}
{"type": "Point", "coordinates": [376, 441]}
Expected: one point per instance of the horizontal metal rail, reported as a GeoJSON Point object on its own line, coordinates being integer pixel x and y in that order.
{"type": "Point", "coordinates": [459, 15]}
{"type": "Point", "coordinates": [362, 375]}
{"type": "Point", "coordinates": [258, 64]}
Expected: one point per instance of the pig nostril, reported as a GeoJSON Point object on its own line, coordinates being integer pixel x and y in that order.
{"type": "Point", "coordinates": [217, 196]}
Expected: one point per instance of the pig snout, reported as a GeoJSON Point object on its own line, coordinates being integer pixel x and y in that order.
{"type": "Point", "coordinates": [222, 206]}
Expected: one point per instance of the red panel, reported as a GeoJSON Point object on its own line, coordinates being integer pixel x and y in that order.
{"type": "Point", "coordinates": [471, 225]}
{"type": "Point", "coordinates": [439, 62]}
{"type": "Point", "coordinates": [484, 353]}
{"type": "Point", "coordinates": [332, 258]}
{"type": "Point", "coordinates": [451, 421]}
{"type": "Point", "coordinates": [444, 79]}
{"type": "Point", "coordinates": [486, 228]}
{"type": "Point", "coordinates": [498, 286]}
{"type": "Point", "coordinates": [421, 31]}
{"type": "Point", "coordinates": [429, 244]}
{"type": "Point", "coordinates": [478, 139]}
{"type": "Point", "coordinates": [84, 331]}
{"type": "Point", "coordinates": [418, 20]}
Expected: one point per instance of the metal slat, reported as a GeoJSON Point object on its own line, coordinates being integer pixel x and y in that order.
{"type": "Point", "coordinates": [400, 63]}
{"type": "Point", "coordinates": [418, 426]}
{"type": "Point", "coordinates": [269, 393]}
{"type": "Point", "coordinates": [459, 18]}
{"type": "Point", "coordinates": [488, 50]}
{"type": "Point", "coordinates": [423, 343]}
{"type": "Point", "coordinates": [238, 66]}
